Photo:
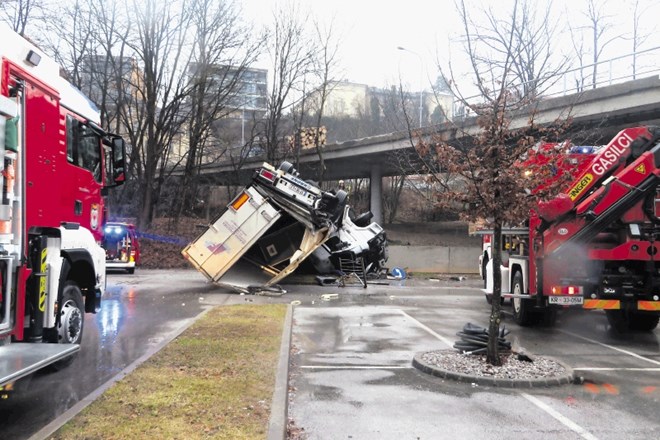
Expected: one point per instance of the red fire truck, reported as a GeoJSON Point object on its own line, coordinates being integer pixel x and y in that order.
{"type": "Point", "coordinates": [57, 163]}
{"type": "Point", "coordinates": [595, 245]}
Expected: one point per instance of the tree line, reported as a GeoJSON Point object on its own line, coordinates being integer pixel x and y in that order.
{"type": "Point", "coordinates": [167, 77]}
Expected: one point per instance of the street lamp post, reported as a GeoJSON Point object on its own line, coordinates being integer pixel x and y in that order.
{"type": "Point", "coordinates": [421, 80]}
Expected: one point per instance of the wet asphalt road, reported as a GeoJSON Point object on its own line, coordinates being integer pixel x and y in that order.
{"type": "Point", "coordinates": [138, 311]}
{"type": "Point", "coordinates": [352, 375]}
{"type": "Point", "coordinates": [352, 371]}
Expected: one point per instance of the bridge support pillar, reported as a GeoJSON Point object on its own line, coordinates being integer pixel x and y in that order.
{"type": "Point", "coordinates": [376, 193]}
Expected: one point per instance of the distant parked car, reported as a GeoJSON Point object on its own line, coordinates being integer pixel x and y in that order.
{"type": "Point", "coordinates": [122, 249]}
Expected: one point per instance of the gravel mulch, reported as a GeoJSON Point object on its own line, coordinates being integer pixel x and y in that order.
{"type": "Point", "coordinates": [512, 368]}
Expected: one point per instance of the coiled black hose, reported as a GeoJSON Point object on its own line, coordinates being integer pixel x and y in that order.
{"type": "Point", "coordinates": [474, 340]}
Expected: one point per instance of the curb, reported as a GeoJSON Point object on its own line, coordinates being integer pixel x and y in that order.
{"type": "Point", "coordinates": [436, 371]}
{"type": "Point", "coordinates": [278, 421]}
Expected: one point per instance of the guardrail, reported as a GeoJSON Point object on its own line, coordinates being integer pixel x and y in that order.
{"type": "Point", "coordinates": [608, 72]}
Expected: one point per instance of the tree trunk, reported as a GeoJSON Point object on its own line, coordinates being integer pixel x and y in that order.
{"type": "Point", "coordinates": [493, 356]}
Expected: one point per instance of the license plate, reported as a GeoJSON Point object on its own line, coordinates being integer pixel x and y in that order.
{"type": "Point", "coordinates": [566, 300]}
{"type": "Point", "coordinates": [292, 189]}
{"type": "Point", "coordinates": [300, 191]}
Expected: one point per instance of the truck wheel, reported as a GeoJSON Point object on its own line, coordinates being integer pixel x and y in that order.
{"type": "Point", "coordinates": [72, 313]}
{"type": "Point", "coordinates": [522, 307]}
{"type": "Point", "coordinates": [342, 197]}
{"type": "Point", "coordinates": [617, 319]}
{"type": "Point", "coordinates": [484, 262]}
{"type": "Point", "coordinates": [644, 322]}
{"type": "Point", "coordinates": [69, 329]}
{"type": "Point", "coordinates": [287, 167]}
{"type": "Point", "coordinates": [549, 316]}
{"type": "Point", "coordinates": [130, 271]}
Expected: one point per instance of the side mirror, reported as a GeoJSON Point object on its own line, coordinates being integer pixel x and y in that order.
{"type": "Point", "coordinates": [117, 174]}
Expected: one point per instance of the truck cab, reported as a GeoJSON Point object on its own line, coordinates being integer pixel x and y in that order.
{"type": "Point", "coordinates": [57, 163]}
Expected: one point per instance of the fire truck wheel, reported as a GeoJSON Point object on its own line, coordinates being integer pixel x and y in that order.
{"type": "Point", "coordinates": [644, 322]}
{"type": "Point", "coordinates": [617, 319]}
{"type": "Point", "coordinates": [70, 327]}
{"type": "Point", "coordinates": [522, 307]}
{"type": "Point", "coordinates": [549, 316]}
{"type": "Point", "coordinates": [130, 271]}
{"type": "Point", "coordinates": [623, 321]}
{"type": "Point", "coordinates": [484, 263]}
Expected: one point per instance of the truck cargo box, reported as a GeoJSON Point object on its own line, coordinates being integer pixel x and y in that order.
{"type": "Point", "coordinates": [263, 234]}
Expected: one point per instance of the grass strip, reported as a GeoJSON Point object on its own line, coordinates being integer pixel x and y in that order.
{"type": "Point", "coordinates": [215, 380]}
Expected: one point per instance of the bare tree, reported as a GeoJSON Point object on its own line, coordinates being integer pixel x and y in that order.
{"type": "Point", "coordinates": [309, 112]}
{"type": "Point", "coordinates": [521, 43]}
{"type": "Point", "coordinates": [600, 26]}
{"type": "Point", "coordinates": [639, 33]}
{"type": "Point", "coordinates": [483, 164]}
{"type": "Point", "coordinates": [223, 50]}
{"type": "Point", "coordinates": [392, 196]}
{"type": "Point", "coordinates": [326, 63]}
{"type": "Point", "coordinates": [577, 43]}
{"type": "Point", "coordinates": [19, 13]}
{"type": "Point", "coordinates": [155, 114]}
{"type": "Point", "coordinates": [292, 52]}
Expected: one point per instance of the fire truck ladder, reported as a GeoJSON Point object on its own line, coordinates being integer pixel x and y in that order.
{"type": "Point", "coordinates": [618, 208]}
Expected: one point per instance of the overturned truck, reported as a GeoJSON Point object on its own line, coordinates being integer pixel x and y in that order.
{"type": "Point", "coordinates": [276, 223]}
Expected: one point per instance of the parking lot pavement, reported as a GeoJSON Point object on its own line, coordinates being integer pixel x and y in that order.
{"type": "Point", "coordinates": [352, 377]}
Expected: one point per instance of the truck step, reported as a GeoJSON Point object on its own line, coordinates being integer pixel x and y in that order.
{"type": "Point", "coordinates": [21, 358]}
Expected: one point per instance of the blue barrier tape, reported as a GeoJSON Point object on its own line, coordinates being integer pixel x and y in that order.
{"type": "Point", "coordinates": [163, 238]}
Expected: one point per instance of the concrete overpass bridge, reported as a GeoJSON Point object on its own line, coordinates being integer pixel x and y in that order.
{"type": "Point", "coordinates": [603, 111]}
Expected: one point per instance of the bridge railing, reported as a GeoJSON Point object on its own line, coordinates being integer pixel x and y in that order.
{"type": "Point", "coordinates": [612, 71]}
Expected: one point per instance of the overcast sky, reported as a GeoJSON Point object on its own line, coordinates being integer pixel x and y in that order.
{"type": "Point", "coordinates": [371, 30]}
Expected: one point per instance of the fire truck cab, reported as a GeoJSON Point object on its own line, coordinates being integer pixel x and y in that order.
{"type": "Point", "coordinates": [56, 164]}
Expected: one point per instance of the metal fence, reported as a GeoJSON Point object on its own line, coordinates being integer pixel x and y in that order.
{"type": "Point", "coordinates": [612, 71]}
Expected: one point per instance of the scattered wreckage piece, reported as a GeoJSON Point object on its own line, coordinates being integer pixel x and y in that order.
{"type": "Point", "coordinates": [274, 224]}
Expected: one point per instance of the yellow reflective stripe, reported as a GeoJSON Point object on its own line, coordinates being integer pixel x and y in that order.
{"type": "Point", "coordinates": [605, 304]}
{"type": "Point", "coordinates": [648, 305]}
{"type": "Point", "coordinates": [42, 280]}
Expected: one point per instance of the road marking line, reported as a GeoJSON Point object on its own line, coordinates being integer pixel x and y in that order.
{"type": "Point", "coordinates": [355, 367]}
{"type": "Point", "coordinates": [442, 338]}
{"type": "Point", "coordinates": [630, 353]}
{"type": "Point", "coordinates": [614, 369]}
{"type": "Point", "coordinates": [564, 420]}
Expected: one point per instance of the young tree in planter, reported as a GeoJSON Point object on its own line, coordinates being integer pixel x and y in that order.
{"type": "Point", "coordinates": [484, 172]}
{"type": "Point", "coordinates": [487, 178]}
